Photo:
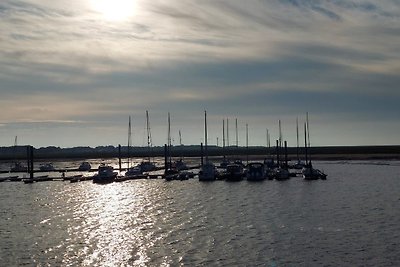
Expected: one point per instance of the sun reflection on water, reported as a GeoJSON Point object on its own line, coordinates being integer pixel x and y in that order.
{"type": "Point", "coordinates": [115, 228]}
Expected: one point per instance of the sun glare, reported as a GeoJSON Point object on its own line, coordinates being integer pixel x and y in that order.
{"type": "Point", "coordinates": [115, 10]}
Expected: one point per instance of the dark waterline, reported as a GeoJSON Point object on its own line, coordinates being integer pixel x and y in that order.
{"type": "Point", "coordinates": [351, 219]}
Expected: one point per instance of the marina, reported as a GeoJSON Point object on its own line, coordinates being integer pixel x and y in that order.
{"type": "Point", "coordinates": [153, 222]}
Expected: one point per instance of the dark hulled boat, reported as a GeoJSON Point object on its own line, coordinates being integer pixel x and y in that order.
{"type": "Point", "coordinates": [105, 175]}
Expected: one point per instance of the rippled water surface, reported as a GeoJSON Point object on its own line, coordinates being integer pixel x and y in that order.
{"type": "Point", "coordinates": [351, 219]}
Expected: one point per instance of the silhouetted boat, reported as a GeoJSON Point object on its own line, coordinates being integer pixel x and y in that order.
{"type": "Point", "coordinates": [85, 166]}
{"type": "Point", "coordinates": [171, 174]}
{"type": "Point", "coordinates": [256, 172]}
{"type": "Point", "coordinates": [310, 173]}
{"type": "Point", "coordinates": [14, 178]}
{"type": "Point", "coordinates": [47, 167]}
{"type": "Point", "coordinates": [105, 175]}
{"type": "Point", "coordinates": [18, 167]}
{"type": "Point", "coordinates": [234, 172]}
{"type": "Point", "coordinates": [180, 165]}
{"type": "Point", "coordinates": [207, 170]}
{"type": "Point", "coordinates": [76, 178]}
{"type": "Point", "coordinates": [147, 165]}
{"type": "Point", "coordinates": [281, 174]}
{"type": "Point", "coordinates": [132, 172]}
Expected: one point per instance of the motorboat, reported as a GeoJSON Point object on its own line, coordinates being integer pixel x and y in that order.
{"type": "Point", "coordinates": [85, 166]}
{"type": "Point", "coordinates": [147, 166]}
{"type": "Point", "coordinates": [256, 171]}
{"type": "Point", "coordinates": [207, 172]}
{"type": "Point", "coordinates": [105, 174]}
{"type": "Point", "coordinates": [18, 167]}
{"type": "Point", "coordinates": [281, 174]}
{"type": "Point", "coordinates": [310, 173]}
{"type": "Point", "coordinates": [234, 172]}
{"type": "Point", "coordinates": [47, 167]}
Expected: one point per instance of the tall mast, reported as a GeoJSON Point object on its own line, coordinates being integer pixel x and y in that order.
{"type": "Point", "coordinates": [280, 134]}
{"type": "Point", "coordinates": [308, 131]}
{"type": "Point", "coordinates": [223, 137]}
{"type": "Point", "coordinates": [268, 141]}
{"type": "Point", "coordinates": [305, 142]}
{"type": "Point", "coordinates": [308, 137]}
{"type": "Point", "coordinates": [129, 141]}
{"type": "Point", "coordinates": [205, 134]}
{"type": "Point", "coordinates": [237, 139]}
{"type": "Point", "coordinates": [148, 132]}
{"type": "Point", "coordinates": [247, 143]}
{"type": "Point", "coordinates": [227, 131]}
{"type": "Point", "coordinates": [169, 139]}
{"type": "Point", "coordinates": [297, 138]}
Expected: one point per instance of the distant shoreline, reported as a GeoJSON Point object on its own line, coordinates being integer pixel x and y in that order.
{"type": "Point", "coordinates": [255, 153]}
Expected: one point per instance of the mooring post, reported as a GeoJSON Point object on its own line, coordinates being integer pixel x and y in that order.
{"type": "Point", "coordinates": [119, 159]}
{"type": "Point", "coordinates": [201, 154]}
{"type": "Point", "coordinates": [31, 162]}
{"type": "Point", "coordinates": [277, 153]}
{"type": "Point", "coordinates": [286, 156]}
{"type": "Point", "coordinates": [28, 156]}
{"type": "Point", "coordinates": [165, 158]}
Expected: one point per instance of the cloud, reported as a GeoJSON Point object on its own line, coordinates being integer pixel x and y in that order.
{"type": "Point", "coordinates": [62, 62]}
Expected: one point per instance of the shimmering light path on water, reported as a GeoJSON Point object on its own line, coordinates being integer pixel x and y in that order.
{"type": "Point", "coordinates": [351, 219]}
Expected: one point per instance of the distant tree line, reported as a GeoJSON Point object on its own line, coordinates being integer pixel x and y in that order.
{"type": "Point", "coordinates": [20, 152]}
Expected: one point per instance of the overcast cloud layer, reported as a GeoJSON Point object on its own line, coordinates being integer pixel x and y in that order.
{"type": "Point", "coordinates": [69, 76]}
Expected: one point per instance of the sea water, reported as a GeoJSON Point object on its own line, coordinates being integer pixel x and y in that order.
{"type": "Point", "coordinates": [351, 219]}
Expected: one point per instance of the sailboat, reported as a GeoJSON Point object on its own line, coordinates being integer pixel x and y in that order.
{"type": "Point", "coordinates": [309, 172]}
{"type": "Point", "coordinates": [207, 171]}
{"type": "Point", "coordinates": [132, 172]}
{"type": "Point", "coordinates": [281, 172]}
{"type": "Point", "coordinates": [225, 161]}
{"type": "Point", "coordinates": [171, 172]}
{"type": "Point", "coordinates": [147, 165]}
{"type": "Point", "coordinates": [299, 164]}
{"type": "Point", "coordinates": [180, 165]}
{"type": "Point", "coordinates": [235, 171]}
{"type": "Point", "coordinates": [18, 166]}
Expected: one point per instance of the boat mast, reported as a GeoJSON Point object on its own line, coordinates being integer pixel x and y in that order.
{"type": "Point", "coordinates": [308, 137]}
{"type": "Point", "coordinates": [129, 141]}
{"type": "Point", "coordinates": [237, 139]}
{"type": "Point", "coordinates": [305, 142]}
{"type": "Point", "coordinates": [247, 143]}
{"type": "Point", "coordinates": [169, 140]}
{"type": "Point", "coordinates": [205, 135]}
{"type": "Point", "coordinates": [223, 138]}
{"type": "Point", "coordinates": [280, 134]}
{"type": "Point", "coordinates": [227, 132]}
{"type": "Point", "coordinates": [180, 144]}
{"type": "Point", "coordinates": [297, 138]}
{"type": "Point", "coordinates": [148, 134]}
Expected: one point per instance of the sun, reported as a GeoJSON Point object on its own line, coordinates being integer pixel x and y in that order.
{"type": "Point", "coordinates": [115, 10]}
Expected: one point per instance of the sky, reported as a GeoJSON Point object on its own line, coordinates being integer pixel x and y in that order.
{"type": "Point", "coordinates": [73, 71]}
